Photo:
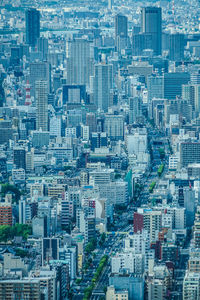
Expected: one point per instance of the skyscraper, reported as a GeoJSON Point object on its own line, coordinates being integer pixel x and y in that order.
{"type": "Point", "coordinates": [40, 71]}
{"type": "Point", "coordinates": [19, 157]}
{"type": "Point", "coordinates": [121, 31]}
{"type": "Point", "coordinates": [41, 105]}
{"type": "Point", "coordinates": [173, 84]}
{"type": "Point", "coordinates": [80, 56]}
{"type": "Point", "coordinates": [155, 86]}
{"type": "Point", "coordinates": [121, 26]}
{"type": "Point", "coordinates": [176, 46]}
{"type": "Point", "coordinates": [110, 4]}
{"type": "Point", "coordinates": [32, 26]}
{"type": "Point", "coordinates": [191, 92]}
{"type": "Point", "coordinates": [135, 109]}
{"type": "Point", "coordinates": [151, 22]}
{"type": "Point", "coordinates": [102, 86]}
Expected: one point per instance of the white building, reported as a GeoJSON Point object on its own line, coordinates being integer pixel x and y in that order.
{"type": "Point", "coordinates": [18, 175]}
{"type": "Point", "coordinates": [137, 142]}
{"type": "Point", "coordinates": [128, 260]}
{"type": "Point", "coordinates": [191, 286]}
{"type": "Point", "coordinates": [55, 126]}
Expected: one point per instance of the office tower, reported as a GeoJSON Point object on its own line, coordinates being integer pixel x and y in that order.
{"type": "Point", "coordinates": [16, 55]}
{"type": "Point", "coordinates": [110, 4]}
{"type": "Point", "coordinates": [42, 46]}
{"type": "Point", "coordinates": [32, 26]}
{"type": "Point", "coordinates": [114, 127]}
{"type": "Point", "coordinates": [19, 158]}
{"type": "Point", "coordinates": [189, 153]}
{"type": "Point", "coordinates": [41, 105]}
{"type": "Point", "coordinates": [140, 42]}
{"type": "Point", "coordinates": [121, 31]}
{"type": "Point", "coordinates": [50, 249]}
{"type": "Point", "coordinates": [6, 211]}
{"type": "Point", "coordinates": [176, 46]}
{"type": "Point", "coordinates": [189, 204]}
{"type": "Point", "coordinates": [155, 86]}
{"type": "Point", "coordinates": [55, 126]}
{"type": "Point", "coordinates": [179, 107]}
{"type": "Point", "coordinates": [173, 84]}
{"type": "Point", "coordinates": [91, 122]}
{"type": "Point", "coordinates": [98, 140]}
{"type": "Point", "coordinates": [74, 93]}
{"type": "Point", "coordinates": [135, 109]}
{"type": "Point", "coordinates": [151, 22]}
{"type": "Point", "coordinates": [40, 71]}
{"type": "Point", "coordinates": [6, 131]}
{"type": "Point", "coordinates": [40, 139]}
{"type": "Point", "coordinates": [80, 57]}
{"type": "Point", "coordinates": [121, 26]}
{"type": "Point", "coordinates": [191, 92]}
{"type": "Point", "coordinates": [102, 86]}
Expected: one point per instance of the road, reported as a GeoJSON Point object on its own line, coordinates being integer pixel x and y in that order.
{"type": "Point", "coordinates": [113, 243]}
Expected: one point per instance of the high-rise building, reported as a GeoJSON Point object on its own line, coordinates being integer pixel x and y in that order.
{"type": "Point", "coordinates": [42, 46]}
{"type": "Point", "coordinates": [19, 157]}
{"type": "Point", "coordinates": [121, 31]}
{"type": "Point", "coordinates": [191, 92]}
{"type": "Point", "coordinates": [41, 105]}
{"type": "Point", "coordinates": [176, 46]}
{"type": "Point", "coordinates": [80, 57]}
{"type": "Point", "coordinates": [91, 122]}
{"type": "Point", "coordinates": [6, 211]}
{"type": "Point", "coordinates": [110, 4]}
{"type": "Point", "coordinates": [189, 153]}
{"type": "Point", "coordinates": [102, 86]}
{"type": "Point", "coordinates": [50, 247]}
{"type": "Point", "coordinates": [74, 93]}
{"type": "Point", "coordinates": [191, 286]}
{"type": "Point", "coordinates": [6, 131]}
{"type": "Point", "coordinates": [121, 26]}
{"type": "Point", "coordinates": [155, 86]}
{"type": "Point", "coordinates": [114, 127]}
{"type": "Point", "coordinates": [151, 22]}
{"type": "Point", "coordinates": [98, 140]}
{"type": "Point", "coordinates": [135, 109]}
{"type": "Point", "coordinates": [32, 26]}
{"type": "Point", "coordinates": [148, 220]}
{"type": "Point", "coordinates": [173, 84]}
{"type": "Point", "coordinates": [140, 42]}
{"type": "Point", "coordinates": [40, 71]}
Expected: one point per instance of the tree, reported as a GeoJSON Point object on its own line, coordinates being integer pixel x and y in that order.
{"type": "Point", "coordinates": [7, 232]}
{"type": "Point", "coordinates": [5, 188]}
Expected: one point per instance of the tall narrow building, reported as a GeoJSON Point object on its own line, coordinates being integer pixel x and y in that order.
{"type": "Point", "coordinates": [102, 86]}
{"type": "Point", "coordinates": [151, 23]}
{"type": "Point", "coordinates": [176, 46]}
{"type": "Point", "coordinates": [80, 58]}
{"type": "Point", "coordinates": [41, 105]}
{"type": "Point", "coordinates": [40, 71]}
{"type": "Point", "coordinates": [121, 31]}
{"type": "Point", "coordinates": [32, 19]}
